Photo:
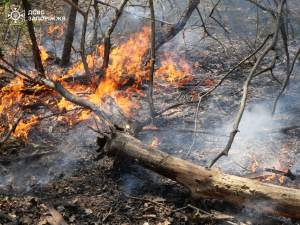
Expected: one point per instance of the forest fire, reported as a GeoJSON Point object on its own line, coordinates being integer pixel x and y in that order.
{"type": "Point", "coordinates": [125, 64]}
{"type": "Point", "coordinates": [263, 178]}
{"type": "Point", "coordinates": [80, 121]}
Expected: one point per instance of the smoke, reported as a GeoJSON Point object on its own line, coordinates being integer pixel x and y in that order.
{"type": "Point", "coordinates": [252, 138]}
{"type": "Point", "coordinates": [131, 183]}
{"type": "Point", "coordinates": [76, 150]}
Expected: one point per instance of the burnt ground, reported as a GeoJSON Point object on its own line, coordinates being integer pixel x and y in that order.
{"type": "Point", "coordinates": [61, 171]}
{"type": "Point", "coordinates": [57, 168]}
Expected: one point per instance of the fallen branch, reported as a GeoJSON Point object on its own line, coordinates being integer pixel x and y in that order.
{"type": "Point", "coordinates": [134, 125]}
{"type": "Point", "coordinates": [287, 174]}
{"type": "Point", "coordinates": [4, 68]}
{"type": "Point", "coordinates": [176, 28]}
{"type": "Point", "coordinates": [207, 183]}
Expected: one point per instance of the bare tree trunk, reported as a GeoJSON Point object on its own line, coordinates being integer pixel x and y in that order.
{"type": "Point", "coordinates": [95, 26]}
{"type": "Point", "coordinates": [108, 32]}
{"type": "Point", "coordinates": [35, 48]}
{"type": "Point", "coordinates": [207, 183]}
{"type": "Point", "coordinates": [152, 109]}
{"type": "Point", "coordinates": [69, 36]}
{"type": "Point", "coordinates": [82, 41]}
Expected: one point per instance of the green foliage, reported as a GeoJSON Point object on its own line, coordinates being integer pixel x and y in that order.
{"type": "Point", "coordinates": [36, 24]}
{"type": "Point", "coordinates": [287, 10]}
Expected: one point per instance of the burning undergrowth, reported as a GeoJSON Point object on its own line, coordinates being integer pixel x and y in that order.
{"type": "Point", "coordinates": [124, 81]}
{"type": "Point", "coordinates": [125, 67]}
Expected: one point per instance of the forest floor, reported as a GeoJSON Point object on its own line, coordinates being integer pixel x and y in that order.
{"type": "Point", "coordinates": [57, 167]}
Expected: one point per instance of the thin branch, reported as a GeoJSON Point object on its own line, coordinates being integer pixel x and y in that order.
{"type": "Point", "coordinates": [195, 128]}
{"type": "Point", "coordinates": [285, 82]}
{"type": "Point", "coordinates": [206, 31]}
{"type": "Point", "coordinates": [4, 68]}
{"type": "Point", "coordinates": [246, 85]}
{"type": "Point", "coordinates": [75, 7]}
{"type": "Point", "coordinates": [15, 69]}
{"type": "Point", "coordinates": [55, 85]}
{"type": "Point", "coordinates": [271, 67]}
{"type": "Point", "coordinates": [240, 63]}
{"type": "Point", "coordinates": [4, 139]}
{"type": "Point", "coordinates": [174, 106]}
{"type": "Point", "coordinates": [213, 9]}
{"type": "Point", "coordinates": [210, 15]}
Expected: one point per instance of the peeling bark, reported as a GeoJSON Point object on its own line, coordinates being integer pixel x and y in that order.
{"type": "Point", "coordinates": [208, 183]}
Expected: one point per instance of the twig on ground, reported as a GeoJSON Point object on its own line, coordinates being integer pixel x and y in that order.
{"type": "Point", "coordinates": [173, 106]}
{"type": "Point", "coordinates": [287, 174]}
{"type": "Point", "coordinates": [241, 166]}
{"type": "Point", "coordinates": [107, 215]}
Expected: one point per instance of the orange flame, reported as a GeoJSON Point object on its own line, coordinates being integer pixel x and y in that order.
{"type": "Point", "coordinates": [43, 54]}
{"type": "Point", "coordinates": [254, 165]}
{"type": "Point", "coordinates": [59, 28]}
{"type": "Point", "coordinates": [154, 143]}
{"type": "Point", "coordinates": [125, 66]}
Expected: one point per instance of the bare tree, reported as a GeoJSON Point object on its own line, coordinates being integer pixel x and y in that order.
{"type": "Point", "coordinates": [69, 36]}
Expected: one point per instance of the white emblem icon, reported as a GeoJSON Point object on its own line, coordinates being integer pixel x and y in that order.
{"type": "Point", "coordinates": [15, 15]}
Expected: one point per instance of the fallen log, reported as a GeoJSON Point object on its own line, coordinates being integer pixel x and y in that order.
{"type": "Point", "coordinates": [206, 183]}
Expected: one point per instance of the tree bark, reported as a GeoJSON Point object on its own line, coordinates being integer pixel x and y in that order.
{"type": "Point", "coordinates": [65, 59]}
{"type": "Point", "coordinates": [35, 49]}
{"type": "Point", "coordinates": [82, 40]}
{"type": "Point", "coordinates": [176, 28]}
{"type": "Point", "coordinates": [207, 183]}
{"type": "Point", "coordinates": [152, 61]}
{"type": "Point", "coordinates": [108, 32]}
